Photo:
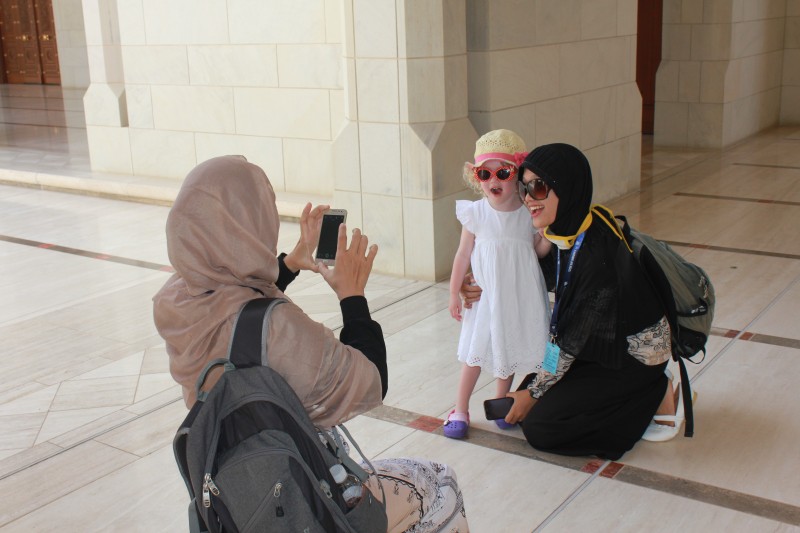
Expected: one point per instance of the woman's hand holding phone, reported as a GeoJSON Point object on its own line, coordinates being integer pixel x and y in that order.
{"type": "Point", "coordinates": [353, 264]}
{"type": "Point", "coordinates": [328, 235]}
{"type": "Point", "coordinates": [302, 257]}
{"type": "Point", "coordinates": [523, 403]}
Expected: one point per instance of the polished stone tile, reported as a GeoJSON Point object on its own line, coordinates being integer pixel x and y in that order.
{"type": "Point", "coordinates": [65, 473]}
{"type": "Point", "coordinates": [750, 182]}
{"type": "Point", "coordinates": [79, 279]}
{"type": "Point", "coordinates": [744, 284]}
{"type": "Point", "coordinates": [502, 492]}
{"type": "Point", "coordinates": [100, 392]}
{"type": "Point", "coordinates": [608, 505]}
{"type": "Point", "coordinates": [98, 426]}
{"type": "Point", "coordinates": [20, 430]}
{"type": "Point", "coordinates": [38, 401]}
{"type": "Point", "coordinates": [149, 432]}
{"type": "Point", "coordinates": [742, 444]}
{"type": "Point", "coordinates": [25, 457]}
{"type": "Point", "coordinates": [130, 496]}
{"type": "Point", "coordinates": [430, 344]}
{"type": "Point", "coordinates": [781, 318]}
{"type": "Point", "coordinates": [58, 423]}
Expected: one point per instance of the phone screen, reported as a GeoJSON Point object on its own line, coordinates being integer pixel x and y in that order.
{"type": "Point", "coordinates": [329, 235]}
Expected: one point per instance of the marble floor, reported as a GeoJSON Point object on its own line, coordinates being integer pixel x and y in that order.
{"type": "Point", "coordinates": [88, 410]}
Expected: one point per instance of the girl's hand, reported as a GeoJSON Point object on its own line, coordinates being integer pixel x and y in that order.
{"type": "Point", "coordinates": [302, 257]}
{"type": "Point", "coordinates": [455, 307]}
{"type": "Point", "coordinates": [353, 264]}
{"type": "Point", "coordinates": [523, 403]}
{"type": "Point", "coordinates": [470, 291]}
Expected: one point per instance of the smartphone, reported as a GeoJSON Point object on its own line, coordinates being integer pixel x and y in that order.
{"type": "Point", "coordinates": [329, 235]}
{"type": "Point", "coordinates": [497, 408]}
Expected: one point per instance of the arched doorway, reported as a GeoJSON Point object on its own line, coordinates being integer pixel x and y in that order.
{"type": "Point", "coordinates": [28, 34]}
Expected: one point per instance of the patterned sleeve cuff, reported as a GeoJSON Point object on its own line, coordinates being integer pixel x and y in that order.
{"type": "Point", "coordinates": [544, 379]}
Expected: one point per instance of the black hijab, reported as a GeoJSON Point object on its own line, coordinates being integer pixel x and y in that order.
{"type": "Point", "coordinates": [608, 299]}
{"type": "Point", "coordinates": [566, 170]}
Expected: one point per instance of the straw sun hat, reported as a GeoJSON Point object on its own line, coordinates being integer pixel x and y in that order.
{"type": "Point", "coordinates": [501, 145]}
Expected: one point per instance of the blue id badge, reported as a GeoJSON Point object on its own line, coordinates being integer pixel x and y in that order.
{"type": "Point", "coordinates": [551, 354]}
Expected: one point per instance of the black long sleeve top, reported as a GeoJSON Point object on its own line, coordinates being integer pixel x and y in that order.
{"type": "Point", "coordinates": [358, 331]}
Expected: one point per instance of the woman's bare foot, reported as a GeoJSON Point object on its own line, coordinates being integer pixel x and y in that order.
{"type": "Point", "coordinates": [668, 404]}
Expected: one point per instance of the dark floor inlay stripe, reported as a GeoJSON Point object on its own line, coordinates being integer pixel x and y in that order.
{"type": "Point", "coordinates": [702, 492]}
{"type": "Point", "coordinates": [694, 490]}
{"type": "Point", "coordinates": [775, 341]}
{"type": "Point", "coordinates": [86, 253]}
{"type": "Point", "coordinates": [737, 198]}
{"type": "Point", "coordinates": [479, 437]}
{"type": "Point", "coordinates": [733, 250]}
{"type": "Point", "coordinates": [755, 337]}
{"type": "Point", "coordinates": [766, 166]}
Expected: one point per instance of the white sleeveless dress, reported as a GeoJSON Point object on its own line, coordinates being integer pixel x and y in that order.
{"type": "Point", "coordinates": [506, 331]}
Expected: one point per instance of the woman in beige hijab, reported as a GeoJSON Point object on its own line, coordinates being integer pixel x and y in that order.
{"type": "Point", "coordinates": [222, 235]}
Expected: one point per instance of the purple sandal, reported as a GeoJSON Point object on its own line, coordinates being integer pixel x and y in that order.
{"type": "Point", "coordinates": [456, 425]}
{"type": "Point", "coordinates": [502, 424]}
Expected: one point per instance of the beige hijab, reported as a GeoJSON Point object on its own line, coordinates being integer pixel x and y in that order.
{"type": "Point", "coordinates": [222, 235]}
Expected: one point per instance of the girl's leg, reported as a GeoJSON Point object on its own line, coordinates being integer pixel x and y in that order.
{"type": "Point", "coordinates": [469, 377]}
{"type": "Point", "coordinates": [503, 386]}
{"type": "Point", "coordinates": [457, 423]}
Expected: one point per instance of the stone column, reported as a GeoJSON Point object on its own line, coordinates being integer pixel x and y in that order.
{"type": "Point", "coordinates": [398, 160]}
{"type": "Point", "coordinates": [720, 77]}
{"type": "Point", "coordinates": [790, 93]}
{"type": "Point", "coordinates": [104, 101]}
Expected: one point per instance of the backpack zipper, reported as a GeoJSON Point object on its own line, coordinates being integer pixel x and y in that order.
{"type": "Point", "coordinates": [321, 484]}
{"type": "Point", "coordinates": [276, 493]}
{"type": "Point", "coordinates": [208, 482]}
{"type": "Point", "coordinates": [209, 485]}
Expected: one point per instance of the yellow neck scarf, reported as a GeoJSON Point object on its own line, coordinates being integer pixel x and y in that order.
{"type": "Point", "coordinates": [566, 243]}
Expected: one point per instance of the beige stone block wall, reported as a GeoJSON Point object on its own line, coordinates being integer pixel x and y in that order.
{"type": "Point", "coordinates": [204, 77]}
{"type": "Point", "coordinates": [72, 59]}
{"type": "Point", "coordinates": [570, 67]}
{"type": "Point", "coordinates": [723, 72]}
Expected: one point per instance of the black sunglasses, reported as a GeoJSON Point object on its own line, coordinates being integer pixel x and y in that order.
{"type": "Point", "coordinates": [536, 189]}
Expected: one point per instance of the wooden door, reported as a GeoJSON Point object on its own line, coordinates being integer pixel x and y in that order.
{"type": "Point", "coordinates": [648, 57]}
{"type": "Point", "coordinates": [27, 33]}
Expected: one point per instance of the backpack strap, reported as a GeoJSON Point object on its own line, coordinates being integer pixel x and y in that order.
{"type": "Point", "coordinates": [661, 286]}
{"type": "Point", "coordinates": [335, 443]}
{"type": "Point", "coordinates": [250, 333]}
{"type": "Point", "coordinates": [201, 379]}
{"type": "Point", "coordinates": [248, 345]}
{"type": "Point", "coordinates": [606, 215]}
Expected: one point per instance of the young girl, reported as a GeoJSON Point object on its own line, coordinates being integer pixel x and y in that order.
{"type": "Point", "coordinates": [506, 330]}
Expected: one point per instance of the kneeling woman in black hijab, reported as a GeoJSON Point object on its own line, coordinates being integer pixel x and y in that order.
{"type": "Point", "coordinates": [603, 378]}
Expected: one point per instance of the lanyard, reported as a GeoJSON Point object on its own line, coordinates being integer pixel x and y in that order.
{"type": "Point", "coordinates": [560, 289]}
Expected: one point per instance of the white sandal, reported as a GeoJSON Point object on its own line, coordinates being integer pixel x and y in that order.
{"type": "Point", "coordinates": [656, 432]}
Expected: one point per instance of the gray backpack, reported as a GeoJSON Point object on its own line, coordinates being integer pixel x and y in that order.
{"type": "Point", "coordinates": [250, 456]}
{"type": "Point", "coordinates": [686, 294]}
